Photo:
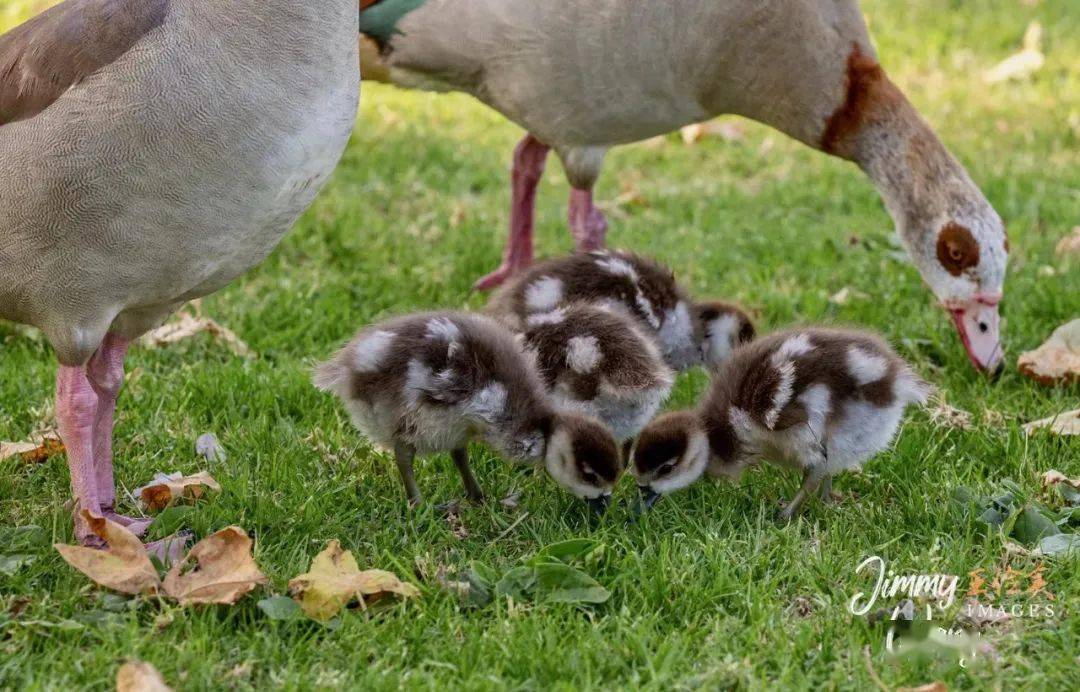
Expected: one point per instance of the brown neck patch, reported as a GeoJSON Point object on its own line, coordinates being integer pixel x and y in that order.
{"type": "Point", "coordinates": [957, 249]}
{"type": "Point", "coordinates": [868, 94]}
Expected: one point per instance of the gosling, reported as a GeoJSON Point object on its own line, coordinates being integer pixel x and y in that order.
{"type": "Point", "coordinates": [818, 400]}
{"type": "Point", "coordinates": [688, 334]}
{"type": "Point", "coordinates": [599, 361]}
{"type": "Point", "coordinates": [431, 382]}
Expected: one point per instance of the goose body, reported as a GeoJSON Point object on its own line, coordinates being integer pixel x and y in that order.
{"type": "Point", "coordinates": [170, 171]}
{"type": "Point", "coordinates": [821, 401]}
{"type": "Point", "coordinates": [687, 333]}
{"type": "Point", "coordinates": [431, 382]}
{"type": "Point", "coordinates": [150, 152]}
{"type": "Point", "coordinates": [583, 77]}
{"type": "Point", "coordinates": [599, 361]}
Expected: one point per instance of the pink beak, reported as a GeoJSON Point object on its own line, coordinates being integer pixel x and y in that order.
{"type": "Point", "coordinates": [979, 325]}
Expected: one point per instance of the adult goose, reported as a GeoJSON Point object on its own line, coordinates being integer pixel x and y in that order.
{"type": "Point", "coordinates": [582, 77]}
{"type": "Point", "coordinates": [150, 152]}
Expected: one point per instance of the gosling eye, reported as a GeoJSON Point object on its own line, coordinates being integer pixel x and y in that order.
{"type": "Point", "coordinates": [590, 478]}
{"type": "Point", "coordinates": [665, 469]}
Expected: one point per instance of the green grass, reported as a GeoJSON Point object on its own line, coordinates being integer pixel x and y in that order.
{"type": "Point", "coordinates": [703, 591]}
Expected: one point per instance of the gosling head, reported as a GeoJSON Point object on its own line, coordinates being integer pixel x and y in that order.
{"type": "Point", "coordinates": [723, 328]}
{"type": "Point", "coordinates": [582, 457]}
{"type": "Point", "coordinates": [670, 453]}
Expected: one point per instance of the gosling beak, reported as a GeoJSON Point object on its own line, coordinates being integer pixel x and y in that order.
{"type": "Point", "coordinates": [649, 497]}
{"type": "Point", "coordinates": [599, 505]}
{"type": "Point", "coordinates": [979, 325]}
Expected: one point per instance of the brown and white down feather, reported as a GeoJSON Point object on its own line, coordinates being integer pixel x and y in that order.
{"type": "Point", "coordinates": [435, 380]}
{"type": "Point", "coordinates": [599, 361]}
{"type": "Point", "coordinates": [686, 334]}
{"type": "Point", "coordinates": [811, 397]}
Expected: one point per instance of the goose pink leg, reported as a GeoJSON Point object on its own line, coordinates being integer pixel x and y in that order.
{"type": "Point", "coordinates": [105, 371]}
{"type": "Point", "coordinates": [530, 156]}
{"type": "Point", "coordinates": [587, 223]}
{"type": "Point", "coordinates": [76, 411]}
{"type": "Point", "coordinates": [85, 408]}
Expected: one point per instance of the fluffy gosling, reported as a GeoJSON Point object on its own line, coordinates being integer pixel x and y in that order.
{"type": "Point", "coordinates": [431, 382]}
{"type": "Point", "coordinates": [817, 400]}
{"type": "Point", "coordinates": [601, 362]}
{"type": "Point", "coordinates": [688, 334]}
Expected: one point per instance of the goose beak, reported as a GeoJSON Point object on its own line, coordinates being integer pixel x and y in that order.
{"type": "Point", "coordinates": [599, 505]}
{"type": "Point", "coordinates": [649, 497]}
{"type": "Point", "coordinates": [979, 325]}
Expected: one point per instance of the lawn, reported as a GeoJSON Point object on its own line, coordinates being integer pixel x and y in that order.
{"type": "Point", "coordinates": [709, 590]}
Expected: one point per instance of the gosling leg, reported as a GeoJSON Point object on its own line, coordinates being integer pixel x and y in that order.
{"type": "Point", "coordinates": [404, 455]}
{"type": "Point", "coordinates": [472, 488]}
{"type": "Point", "coordinates": [812, 478]}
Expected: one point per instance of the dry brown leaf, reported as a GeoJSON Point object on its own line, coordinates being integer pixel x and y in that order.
{"type": "Point", "coordinates": [187, 325]}
{"type": "Point", "coordinates": [846, 295]}
{"type": "Point", "coordinates": [169, 488]}
{"type": "Point", "coordinates": [1062, 424]}
{"type": "Point", "coordinates": [928, 687]}
{"type": "Point", "coordinates": [1022, 64]}
{"type": "Point", "coordinates": [727, 130]}
{"type": "Point", "coordinates": [1070, 244]}
{"type": "Point", "coordinates": [948, 416]}
{"type": "Point", "coordinates": [138, 676]}
{"type": "Point", "coordinates": [219, 569]}
{"type": "Point", "coordinates": [1056, 361]}
{"type": "Point", "coordinates": [39, 448]}
{"type": "Point", "coordinates": [124, 566]}
{"type": "Point", "coordinates": [334, 580]}
{"type": "Point", "coordinates": [1054, 477]}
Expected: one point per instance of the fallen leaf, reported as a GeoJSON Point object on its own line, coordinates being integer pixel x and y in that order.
{"type": "Point", "coordinates": [457, 526]}
{"type": "Point", "coordinates": [727, 130]}
{"type": "Point", "coordinates": [187, 325]}
{"type": "Point", "coordinates": [36, 450]}
{"type": "Point", "coordinates": [1051, 478]}
{"type": "Point", "coordinates": [801, 607]}
{"type": "Point", "coordinates": [10, 564]}
{"type": "Point", "coordinates": [334, 580]}
{"type": "Point", "coordinates": [1059, 544]}
{"type": "Point", "coordinates": [209, 448]}
{"type": "Point", "coordinates": [512, 500]}
{"type": "Point", "coordinates": [138, 676]}
{"type": "Point", "coordinates": [18, 606]}
{"type": "Point", "coordinates": [1058, 360]}
{"type": "Point", "coordinates": [168, 488]}
{"type": "Point", "coordinates": [1062, 424]}
{"type": "Point", "coordinates": [845, 295]}
{"type": "Point", "coordinates": [219, 569]}
{"type": "Point", "coordinates": [1022, 64]}
{"type": "Point", "coordinates": [1070, 244]}
{"type": "Point", "coordinates": [124, 566]}
{"type": "Point", "coordinates": [943, 415]}
{"type": "Point", "coordinates": [551, 582]}
{"type": "Point", "coordinates": [280, 608]}
{"type": "Point", "coordinates": [928, 687]}
{"type": "Point", "coordinates": [1030, 525]}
